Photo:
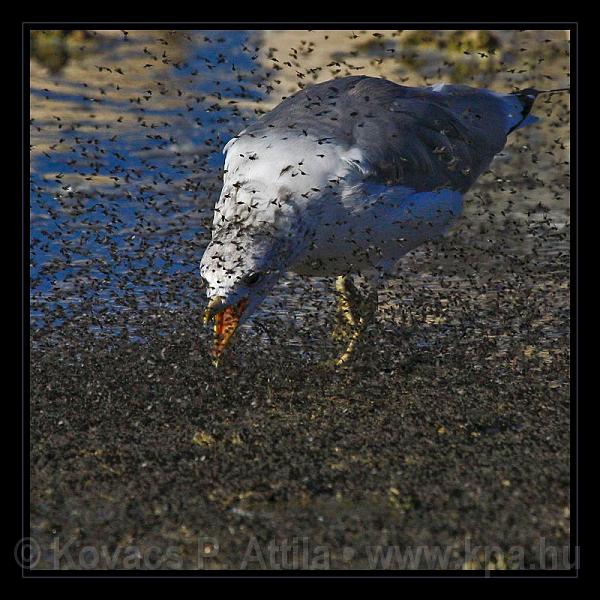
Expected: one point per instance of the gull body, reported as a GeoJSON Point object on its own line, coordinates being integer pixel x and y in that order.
{"type": "Point", "coordinates": [346, 177]}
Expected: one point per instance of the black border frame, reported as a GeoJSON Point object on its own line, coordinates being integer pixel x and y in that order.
{"type": "Point", "coordinates": [20, 530]}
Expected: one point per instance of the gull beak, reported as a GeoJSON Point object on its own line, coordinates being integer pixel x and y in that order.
{"type": "Point", "coordinates": [226, 320]}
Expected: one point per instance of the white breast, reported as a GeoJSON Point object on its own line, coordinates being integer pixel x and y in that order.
{"type": "Point", "coordinates": [374, 228]}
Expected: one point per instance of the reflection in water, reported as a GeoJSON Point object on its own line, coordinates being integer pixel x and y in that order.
{"type": "Point", "coordinates": [127, 129]}
{"type": "Point", "coordinates": [54, 48]}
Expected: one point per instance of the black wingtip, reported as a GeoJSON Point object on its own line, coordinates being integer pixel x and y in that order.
{"type": "Point", "coordinates": [554, 91]}
{"type": "Point", "coordinates": [532, 93]}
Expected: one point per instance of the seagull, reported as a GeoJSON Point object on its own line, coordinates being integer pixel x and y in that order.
{"type": "Point", "coordinates": [341, 179]}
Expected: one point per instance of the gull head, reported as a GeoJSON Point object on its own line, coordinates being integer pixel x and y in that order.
{"type": "Point", "coordinates": [239, 268]}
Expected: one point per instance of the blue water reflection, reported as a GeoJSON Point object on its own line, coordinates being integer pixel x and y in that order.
{"type": "Point", "coordinates": [119, 204]}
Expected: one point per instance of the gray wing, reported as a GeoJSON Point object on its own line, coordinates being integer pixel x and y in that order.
{"type": "Point", "coordinates": [423, 138]}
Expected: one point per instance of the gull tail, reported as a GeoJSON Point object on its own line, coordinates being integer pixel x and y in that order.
{"type": "Point", "coordinates": [526, 99]}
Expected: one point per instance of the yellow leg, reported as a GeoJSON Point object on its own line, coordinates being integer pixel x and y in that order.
{"type": "Point", "coordinates": [355, 312]}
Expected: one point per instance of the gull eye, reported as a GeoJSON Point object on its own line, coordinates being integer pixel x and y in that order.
{"type": "Point", "coordinates": [251, 278]}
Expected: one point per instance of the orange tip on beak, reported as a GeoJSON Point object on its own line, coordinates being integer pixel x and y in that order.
{"type": "Point", "coordinates": [226, 322]}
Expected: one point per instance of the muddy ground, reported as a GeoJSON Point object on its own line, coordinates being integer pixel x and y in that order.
{"type": "Point", "coordinates": [449, 431]}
